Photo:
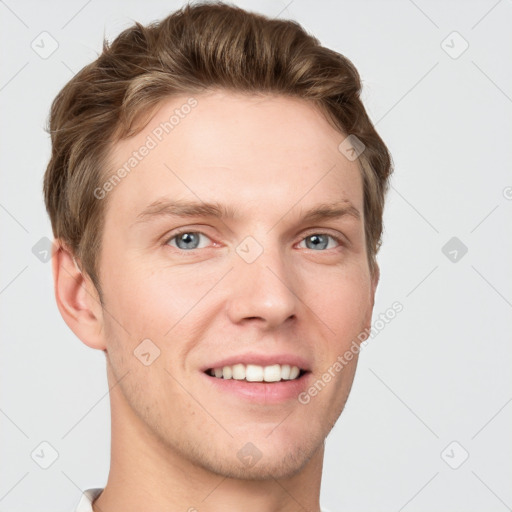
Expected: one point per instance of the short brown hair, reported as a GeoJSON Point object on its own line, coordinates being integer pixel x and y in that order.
{"type": "Point", "coordinates": [200, 47]}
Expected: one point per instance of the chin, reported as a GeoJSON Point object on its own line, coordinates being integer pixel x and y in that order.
{"type": "Point", "coordinates": [269, 462]}
{"type": "Point", "coordinates": [267, 468]}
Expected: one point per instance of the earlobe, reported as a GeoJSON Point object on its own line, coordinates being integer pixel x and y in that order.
{"type": "Point", "coordinates": [77, 298]}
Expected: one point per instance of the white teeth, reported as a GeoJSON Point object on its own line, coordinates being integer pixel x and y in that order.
{"type": "Point", "coordinates": [256, 373]}
{"type": "Point", "coordinates": [285, 371]}
{"type": "Point", "coordinates": [272, 373]}
{"type": "Point", "coordinates": [294, 372]}
{"type": "Point", "coordinates": [238, 372]}
{"type": "Point", "coordinates": [253, 373]}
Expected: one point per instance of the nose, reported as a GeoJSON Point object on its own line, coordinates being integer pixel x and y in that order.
{"type": "Point", "coordinates": [261, 291]}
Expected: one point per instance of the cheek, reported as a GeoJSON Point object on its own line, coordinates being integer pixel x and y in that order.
{"type": "Point", "coordinates": [163, 305]}
{"type": "Point", "coordinates": [342, 300]}
{"type": "Point", "coordinates": [146, 301]}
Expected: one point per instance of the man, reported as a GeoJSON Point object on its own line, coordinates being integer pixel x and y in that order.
{"type": "Point", "coordinates": [216, 191]}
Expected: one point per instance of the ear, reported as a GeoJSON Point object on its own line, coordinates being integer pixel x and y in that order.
{"type": "Point", "coordinates": [77, 298]}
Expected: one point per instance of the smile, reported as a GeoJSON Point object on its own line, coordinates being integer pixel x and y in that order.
{"type": "Point", "coordinates": [257, 373]}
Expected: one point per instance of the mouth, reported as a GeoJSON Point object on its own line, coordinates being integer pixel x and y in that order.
{"type": "Point", "coordinates": [269, 385]}
{"type": "Point", "coordinates": [256, 373]}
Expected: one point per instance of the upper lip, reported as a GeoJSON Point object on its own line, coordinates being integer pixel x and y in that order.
{"type": "Point", "coordinates": [260, 360]}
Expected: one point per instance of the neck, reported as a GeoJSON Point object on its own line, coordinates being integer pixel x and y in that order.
{"type": "Point", "coordinates": [146, 474]}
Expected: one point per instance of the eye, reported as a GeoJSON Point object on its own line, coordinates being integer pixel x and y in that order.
{"type": "Point", "coordinates": [186, 240]}
{"type": "Point", "coordinates": [191, 240]}
{"type": "Point", "coordinates": [320, 241]}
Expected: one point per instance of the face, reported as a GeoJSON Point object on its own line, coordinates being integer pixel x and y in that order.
{"type": "Point", "coordinates": [213, 262]}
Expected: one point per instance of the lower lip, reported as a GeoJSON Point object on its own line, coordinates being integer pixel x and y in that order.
{"type": "Point", "coordinates": [262, 392]}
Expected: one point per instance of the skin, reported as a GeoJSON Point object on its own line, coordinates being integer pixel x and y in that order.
{"type": "Point", "coordinates": [175, 438]}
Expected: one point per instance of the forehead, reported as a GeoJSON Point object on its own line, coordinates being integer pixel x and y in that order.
{"type": "Point", "coordinates": [234, 148]}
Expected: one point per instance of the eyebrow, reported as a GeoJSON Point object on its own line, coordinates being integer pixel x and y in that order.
{"type": "Point", "coordinates": [179, 208]}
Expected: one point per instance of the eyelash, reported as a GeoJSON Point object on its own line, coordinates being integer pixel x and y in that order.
{"type": "Point", "coordinates": [337, 239]}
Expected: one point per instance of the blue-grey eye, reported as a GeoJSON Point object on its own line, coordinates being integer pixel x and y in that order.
{"type": "Point", "coordinates": [318, 241]}
{"type": "Point", "coordinates": [187, 240]}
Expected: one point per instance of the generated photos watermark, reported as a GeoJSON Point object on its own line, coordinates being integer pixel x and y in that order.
{"type": "Point", "coordinates": [156, 136]}
{"type": "Point", "coordinates": [343, 359]}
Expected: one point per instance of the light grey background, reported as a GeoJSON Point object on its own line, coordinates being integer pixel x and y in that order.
{"type": "Point", "coordinates": [438, 373]}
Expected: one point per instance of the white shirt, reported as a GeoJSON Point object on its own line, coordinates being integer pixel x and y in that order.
{"type": "Point", "coordinates": [85, 503]}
